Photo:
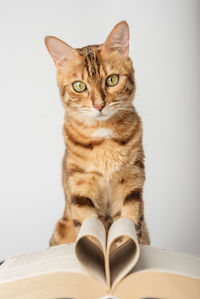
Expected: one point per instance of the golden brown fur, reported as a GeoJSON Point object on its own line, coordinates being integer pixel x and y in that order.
{"type": "Point", "coordinates": [102, 176]}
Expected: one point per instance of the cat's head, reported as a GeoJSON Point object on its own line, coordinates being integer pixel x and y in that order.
{"type": "Point", "coordinates": [96, 82]}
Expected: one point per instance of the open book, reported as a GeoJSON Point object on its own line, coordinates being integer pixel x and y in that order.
{"type": "Point", "coordinates": [94, 268]}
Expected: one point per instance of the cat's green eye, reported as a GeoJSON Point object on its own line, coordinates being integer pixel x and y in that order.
{"type": "Point", "coordinates": [112, 80]}
{"type": "Point", "coordinates": [79, 86]}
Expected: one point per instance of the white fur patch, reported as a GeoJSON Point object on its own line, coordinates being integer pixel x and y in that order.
{"type": "Point", "coordinates": [103, 132]}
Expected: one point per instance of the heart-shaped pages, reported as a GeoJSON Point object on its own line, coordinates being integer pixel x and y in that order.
{"type": "Point", "coordinates": [108, 260]}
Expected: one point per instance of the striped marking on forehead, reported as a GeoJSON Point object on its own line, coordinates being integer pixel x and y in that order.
{"type": "Point", "coordinates": [92, 63]}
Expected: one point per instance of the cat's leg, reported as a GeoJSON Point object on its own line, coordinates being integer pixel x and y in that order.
{"type": "Point", "coordinates": [133, 208]}
{"type": "Point", "coordinates": [86, 196]}
{"type": "Point", "coordinates": [64, 232]}
{"type": "Point", "coordinates": [83, 193]}
{"type": "Point", "coordinates": [127, 188]}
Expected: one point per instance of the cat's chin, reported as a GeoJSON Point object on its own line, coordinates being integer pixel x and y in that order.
{"type": "Point", "coordinates": [102, 117]}
{"type": "Point", "coordinates": [99, 117]}
{"type": "Point", "coordinates": [93, 118]}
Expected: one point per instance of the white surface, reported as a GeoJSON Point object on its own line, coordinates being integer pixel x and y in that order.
{"type": "Point", "coordinates": [165, 47]}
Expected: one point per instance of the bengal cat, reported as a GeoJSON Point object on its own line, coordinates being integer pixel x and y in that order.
{"type": "Point", "coordinates": [103, 166]}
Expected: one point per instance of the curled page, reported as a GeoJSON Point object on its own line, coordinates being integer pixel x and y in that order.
{"type": "Point", "coordinates": [120, 260]}
{"type": "Point", "coordinates": [108, 263]}
{"type": "Point", "coordinates": [90, 247]}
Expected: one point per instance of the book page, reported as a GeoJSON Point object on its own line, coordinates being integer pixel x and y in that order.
{"type": "Point", "coordinates": [122, 259]}
{"type": "Point", "coordinates": [53, 259]}
{"type": "Point", "coordinates": [51, 273]}
{"type": "Point", "coordinates": [163, 260]}
{"type": "Point", "coordinates": [160, 285]}
{"type": "Point", "coordinates": [165, 274]}
{"type": "Point", "coordinates": [106, 297]}
{"type": "Point", "coordinates": [90, 247]}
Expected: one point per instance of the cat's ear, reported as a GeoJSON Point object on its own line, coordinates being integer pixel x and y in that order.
{"type": "Point", "coordinates": [60, 51]}
{"type": "Point", "coordinates": [118, 39]}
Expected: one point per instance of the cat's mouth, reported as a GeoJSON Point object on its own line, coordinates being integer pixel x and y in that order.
{"type": "Point", "coordinates": [102, 116]}
{"type": "Point", "coordinates": [99, 115]}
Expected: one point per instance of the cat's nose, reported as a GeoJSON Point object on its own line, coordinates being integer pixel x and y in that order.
{"type": "Point", "coordinates": [99, 106]}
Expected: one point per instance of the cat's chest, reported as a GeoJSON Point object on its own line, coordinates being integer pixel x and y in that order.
{"type": "Point", "coordinates": [103, 133]}
{"type": "Point", "coordinates": [108, 157]}
{"type": "Point", "coordinates": [98, 152]}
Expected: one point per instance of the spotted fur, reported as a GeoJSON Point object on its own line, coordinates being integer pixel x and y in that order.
{"type": "Point", "coordinates": [103, 176]}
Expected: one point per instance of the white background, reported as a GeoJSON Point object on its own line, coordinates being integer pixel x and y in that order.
{"type": "Point", "coordinates": [165, 47]}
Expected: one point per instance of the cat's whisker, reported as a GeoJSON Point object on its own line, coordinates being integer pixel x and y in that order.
{"type": "Point", "coordinates": [125, 109]}
{"type": "Point", "coordinates": [120, 115]}
{"type": "Point", "coordinates": [80, 109]}
{"type": "Point", "coordinates": [114, 103]}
